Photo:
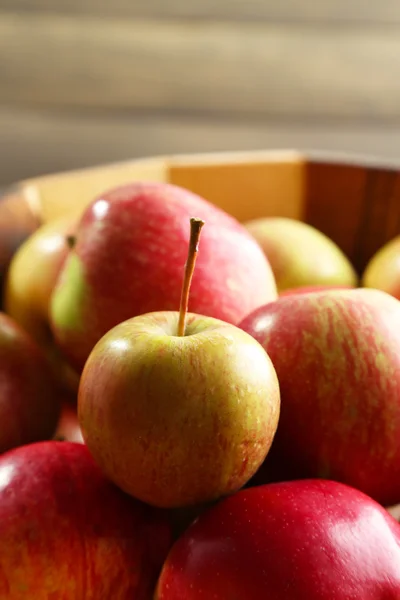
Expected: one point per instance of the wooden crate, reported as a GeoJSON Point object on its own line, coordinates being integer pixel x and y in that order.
{"type": "Point", "coordinates": [355, 202]}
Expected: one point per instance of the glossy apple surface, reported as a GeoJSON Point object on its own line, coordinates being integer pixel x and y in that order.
{"type": "Point", "coordinates": [310, 539]}
{"type": "Point", "coordinates": [300, 255]}
{"type": "Point", "coordinates": [29, 396]}
{"type": "Point", "coordinates": [129, 259]}
{"type": "Point", "coordinates": [69, 534]}
{"type": "Point", "coordinates": [337, 356]}
{"type": "Point", "coordinates": [178, 421]}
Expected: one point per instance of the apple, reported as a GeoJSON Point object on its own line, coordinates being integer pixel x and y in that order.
{"type": "Point", "coordinates": [68, 533]}
{"type": "Point", "coordinates": [310, 539]}
{"type": "Point", "coordinates": [128, 258]}
{"type": "Point", "coordinates": [300, 255]}
{"type": "Point", "coordinates": [383, 270]}
{"type": "Point", "coordinates": [337, 356]}
{"type": "Point", "coordinates": [18, 219]}
{"type": "Point", "coordinates": [30, 280]}
{"type": "Point", "coordinates": [178, 409]}
{"type": "Point", "coordinates": [30, 398]}
{"type": "Point", "coordinates": [32, 275]}
{"type": "Point", "coordinates": [68, 425]}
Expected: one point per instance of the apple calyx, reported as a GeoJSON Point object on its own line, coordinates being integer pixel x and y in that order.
{"type": "Point", "coordinates": [195, 230]}
{"type": "Point", "coordinates": [70, 240]}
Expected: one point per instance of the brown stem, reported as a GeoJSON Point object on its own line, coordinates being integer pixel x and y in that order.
{"type": "Point", "coordinates": [195, 229]}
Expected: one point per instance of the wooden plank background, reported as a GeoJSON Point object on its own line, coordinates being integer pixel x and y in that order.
{"type": "Point", "coordinates": [39, 142]}
{"type": "Point", "coordinates": [87, 81]}
{"type": "Point", "coordinates": [355, 11]}
{"type": "Point", "coordinates": [231, 69]}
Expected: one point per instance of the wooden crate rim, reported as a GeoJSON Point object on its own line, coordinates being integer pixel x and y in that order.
{"type": "Point", "coordinates": [231, 157]}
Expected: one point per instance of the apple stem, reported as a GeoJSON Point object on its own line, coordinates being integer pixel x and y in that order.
{"type": "Point", "coordinates": [195, 229]}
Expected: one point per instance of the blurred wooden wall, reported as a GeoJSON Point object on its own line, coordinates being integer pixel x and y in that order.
{"type": "Point", "coordinates": [87, 81]}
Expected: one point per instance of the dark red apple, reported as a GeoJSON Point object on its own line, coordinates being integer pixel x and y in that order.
{"type": "Point", "coordinates": [66, 533]}
{"type": "Point", "coordinates": [29, 396]}
{"type": "Point", "coordinates": [299, 540]}
{"type": "Point", "coordinates": [129, 257]}
{"type": "Point", "coordinates": [337, 356]}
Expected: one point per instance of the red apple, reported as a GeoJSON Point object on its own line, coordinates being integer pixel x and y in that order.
{"type": "Point", "coordinates": [30, 398]}
{"type": "Point", "coordinates": [128, 260]}
{"type": "Point", "coordinates": [337, 356]}
{"type": "Point", "coordinates": [69, 534]}
{"type": "Point", "coordinates": [299, 540]}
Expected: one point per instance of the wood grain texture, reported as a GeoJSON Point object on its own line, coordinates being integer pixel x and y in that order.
{"type": "Point", "coordinates": [250, 189]}
{"type": "Point", "coordinates": [357, 206]}
{"type": "Point", "coordinates": [358, 11]}
{"type": "Point", "coordinates": [334, 202]}
{"type": "Point", "coordinates": [36, 142]}
{"type": "Point", "coordinates": [248, 70]}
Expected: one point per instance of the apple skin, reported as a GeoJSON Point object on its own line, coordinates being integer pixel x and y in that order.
{"type": "Point", "coordinates": [32, 275]}
{"type": "Point", "coordinates": [29, 284]}
{"type": "Point", "coordinates": [178, 421]}
{"type": "Point", "coordinates": [337, 356]}
{"type": "Point", "coordinates": [30, 397]}
{"type": "Point", "coordinates": [307, 289]}
{"type": "Point", "coordinates": [300, 255]}
{"type": "Point", "coordinates": [309, 539]}
{"type": "Point", "coordinates": [68, 533]}
{"type": "Point", "coordinates": [383, 270]}
{"type": "Point", "coordinates": [129, 260]}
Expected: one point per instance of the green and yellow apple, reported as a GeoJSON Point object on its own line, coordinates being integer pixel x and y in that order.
{"type": "Point", "coordinates": [383, 270]}
{"type": "Point", "coordinates": [30, 280]}
{"type": "Point", "coordinates": [178, 420]}
{"type": "Point", "coordinates": [32, 274]}
{"type": "Point", "coordinates": [300, 255]}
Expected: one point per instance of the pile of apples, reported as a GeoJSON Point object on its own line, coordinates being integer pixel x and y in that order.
{"type": "Point", "coordinates": [194, 408]}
